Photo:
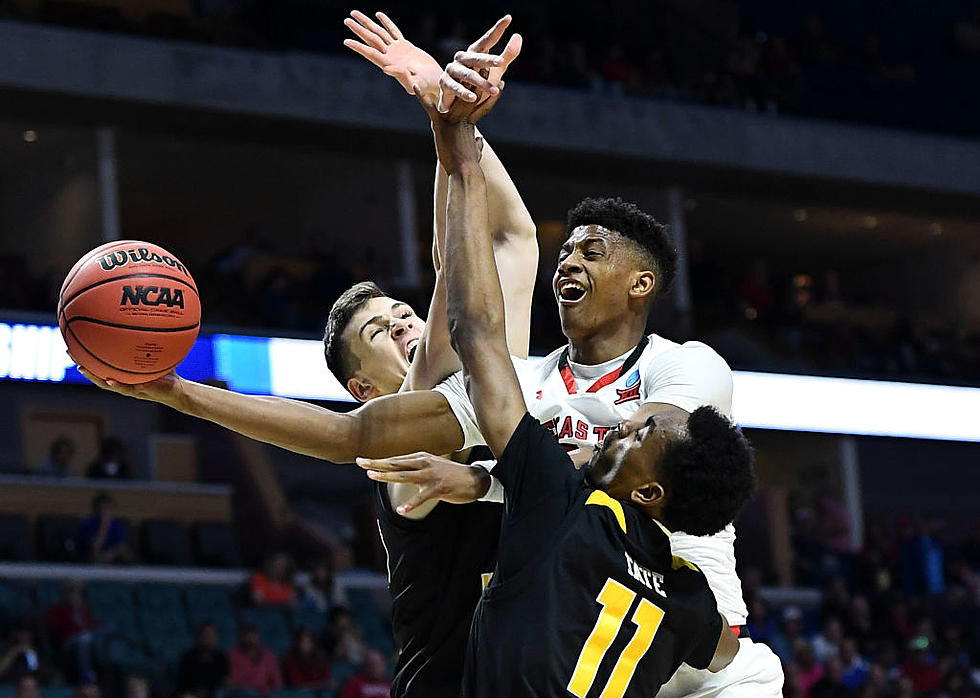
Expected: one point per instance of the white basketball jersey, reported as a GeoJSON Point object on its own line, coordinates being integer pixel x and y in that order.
{"type": "Point", "coordinates": [581, 403]}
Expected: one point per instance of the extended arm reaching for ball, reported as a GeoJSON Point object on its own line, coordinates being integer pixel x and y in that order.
{"type": "Point", "coordinates": [384, 427]}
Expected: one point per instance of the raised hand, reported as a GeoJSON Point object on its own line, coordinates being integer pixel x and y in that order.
{"type": "Point", "coordinates": [475, 73]}
{"type": "Point", "coordinates": [436, 478]}
{"type": "Point", "coordinates": [386, 47]}
{"type": "Point", "coordinates": [456, 140]}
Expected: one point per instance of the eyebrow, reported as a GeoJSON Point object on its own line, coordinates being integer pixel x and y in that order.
{"type": "Point", "coordinates": [588, 240]}
{"type": "Point", "coordinates": [377, 318]}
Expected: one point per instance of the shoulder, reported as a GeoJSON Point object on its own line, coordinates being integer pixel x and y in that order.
{"type": "Point", "coordinates": [663, 352]}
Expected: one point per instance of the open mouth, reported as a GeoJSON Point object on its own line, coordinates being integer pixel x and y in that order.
{"type": "Point", "coordinates": [570, 292]}
{"type": "Point", "coordinates": [413, 345]}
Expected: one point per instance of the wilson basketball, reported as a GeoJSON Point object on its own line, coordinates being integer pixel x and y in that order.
{"type": "Point", "coordinates": [129, 311]}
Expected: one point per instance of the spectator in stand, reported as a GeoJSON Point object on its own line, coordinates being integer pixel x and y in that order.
{"type": "Point", "coordinates": [808, 670]}
{"type": "Point", "coordinates": [816, 46]}
{"type": "Point", "coordinates": [88, 689]}
{"type": "Point", "coordinates": [254, 666]}
{"type": "Point", "coordinates": [922, 559]}
{"type": "Point", "coordinates": [859, 623]}
{"type": "Point", "coordinates": [854, 665]}
{"type": "Point", "coordinates": [372, 681]}
{"type": "Point", "coordinates": [920, 668]}
{"type": "Point", "coordinates": [204, 667]}
{"type": "Point", "coordinates": [103, 537]}
{"type": "Point", "coordinates": [274, 585]}
{"type": "Point", "coordinates": [75, 632]}
{"type": "Point", "coordinates": [320, 593]}
{"type": "Point", "coordinates": [137, 687]}
{"type": "Point", "coordinates": [111, 463]}
{"type": "Point", "coordinates": [26, 687]}
{"type": "Point", "coordinates": [876, 683]}
{"type": "Point", "coordinates": [966, 33]}
{"type": "Point", "coordinates": [784, 643]}
{"type": "Point", "coordinates": [58, 462]}
{"type": "Point", "coordinates": [832, 683]}
{"type": "Point", "coordinates": [761, 625]}
{"type": "Point", "coordinates": [306, 665]}
{"type": "Point", "coordinates": [20, 657]}
{"type": "Point", "coordinates": [826, 644]}
{"type": "Point", "coordinates": [343, 637]}
{"type": "Point", "coordinates": [756, 293]}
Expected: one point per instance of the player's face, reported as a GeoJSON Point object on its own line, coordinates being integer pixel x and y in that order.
{"type": "Point", "coordinates": [629, 456]}
{"type": "Point", "coordinates": [596, 270]}
{"type": "Point", "coordinates": [383, 334]}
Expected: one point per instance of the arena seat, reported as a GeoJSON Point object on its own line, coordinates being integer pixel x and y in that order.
{"type": "Point", "coordinates": [15, 602]}
{"type": "Point", "coordinates": [127, 656]}
{"type": "Point", "coordinates": [207, 603]}
{"type": "Point", "coordinates": [164, 621]}
{"type": "Point", "coordinates": [340, 671]}
{"type": "Point", "coordinates": [164, 542]}
{"type": "Point", "coordinates": [215, 545]}
{"type": "Point", "coordinates": [112, 603]}
{"type": "Point", "coordinates": [48, 591]}
{"type": "Point", "coordinates": [272, 627]}
{"type": "Point", "coordinates": [367, 616]}
{"type": "Point", "coordinates": [296, 693]}
{"type": "Point", "coordinates": [16, 540]}
{"type": "Point", "coordinates": [59, 538]}
{"type": "Point", "coordinates": [309, 618]}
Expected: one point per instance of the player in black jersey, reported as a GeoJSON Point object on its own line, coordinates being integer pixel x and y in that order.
{"type": "Point", "coordinates": [586, 598]}
{"type": "Point", "coordinates": [437, 567]}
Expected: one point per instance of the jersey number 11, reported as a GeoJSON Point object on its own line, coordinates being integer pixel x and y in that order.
{"type": "Point", "coordinates": [616, 601]}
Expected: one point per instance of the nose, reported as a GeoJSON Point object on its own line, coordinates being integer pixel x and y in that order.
{"type": "Point", "coordinates": [569, 265]}
{"type": "Point", "coordinates": [400, 327]}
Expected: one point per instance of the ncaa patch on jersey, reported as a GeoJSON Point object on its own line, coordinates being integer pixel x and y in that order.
{"type": "Point", "coordinates": [633, 379]}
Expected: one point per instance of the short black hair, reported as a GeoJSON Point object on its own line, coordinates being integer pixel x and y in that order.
{"type": "Point", "coordinates": [627, 219]}
{"type": "Point", "coordinates": [100, 499]}
{"type": "Point", "coordinates": [708, 476]}
{"type": "Point", "coordinates": [340, 360]}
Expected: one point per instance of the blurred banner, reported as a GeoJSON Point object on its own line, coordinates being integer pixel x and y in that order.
{"type": "Point", "coordinates": [296, 368]}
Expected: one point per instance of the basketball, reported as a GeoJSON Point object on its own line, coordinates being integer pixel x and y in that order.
{"type": "Point", "coordinates": [129, 311]}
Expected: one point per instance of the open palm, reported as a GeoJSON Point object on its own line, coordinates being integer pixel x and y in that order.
{"type": "Point", "coordinates": [384, 45]}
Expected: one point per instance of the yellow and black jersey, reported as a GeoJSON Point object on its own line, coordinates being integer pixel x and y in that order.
{"type": "Point", "coordinates": [436, 570]}
{"type": "Point", "coordinates": [587, 599]}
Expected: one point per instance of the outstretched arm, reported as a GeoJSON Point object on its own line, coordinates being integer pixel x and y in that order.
{"type": "Point", "coordinates": [475, 306]}
{"type": "Point", "coordinates": [513, 231]}
{"type": "Point", "coordinates": [383, 427]}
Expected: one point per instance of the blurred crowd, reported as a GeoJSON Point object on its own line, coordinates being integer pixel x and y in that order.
{"type": "Point", "coordinates": [809, 322]}
{"type": "Point", "coordinates": [70, 643]}
{"type": "Point", "coordinates": [898, 619]}
{"type": "Point", "coordinates": [897, 63]}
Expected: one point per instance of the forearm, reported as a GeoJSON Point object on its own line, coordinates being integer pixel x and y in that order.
{"type": "Point", "coordinates": [508, 217]}
{"type": "Point", "coordinates": [290, 424]}
{"type": "Point", "coordinates": [475, 304]}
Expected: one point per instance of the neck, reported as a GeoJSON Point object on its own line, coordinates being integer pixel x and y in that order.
{"type": "Point", "coordinates": [599, 347]}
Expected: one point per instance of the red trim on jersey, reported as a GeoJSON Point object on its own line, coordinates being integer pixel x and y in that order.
{"type": "Point", "coordinates": [566, 372]}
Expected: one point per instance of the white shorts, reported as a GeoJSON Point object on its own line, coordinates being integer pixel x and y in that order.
{"type": "Point", "coordinates": [755, 672]}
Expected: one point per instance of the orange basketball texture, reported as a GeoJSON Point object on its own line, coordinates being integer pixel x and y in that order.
{"type": "Point", "coordinates": [129, 311]}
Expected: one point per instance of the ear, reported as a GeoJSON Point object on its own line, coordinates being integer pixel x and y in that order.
{"type": "Point", "coordinates": [644, 285]}
{"type": "Point", "coordinates": [361, 390]}
{"type": "Point", "coordinates": [648, 494]}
